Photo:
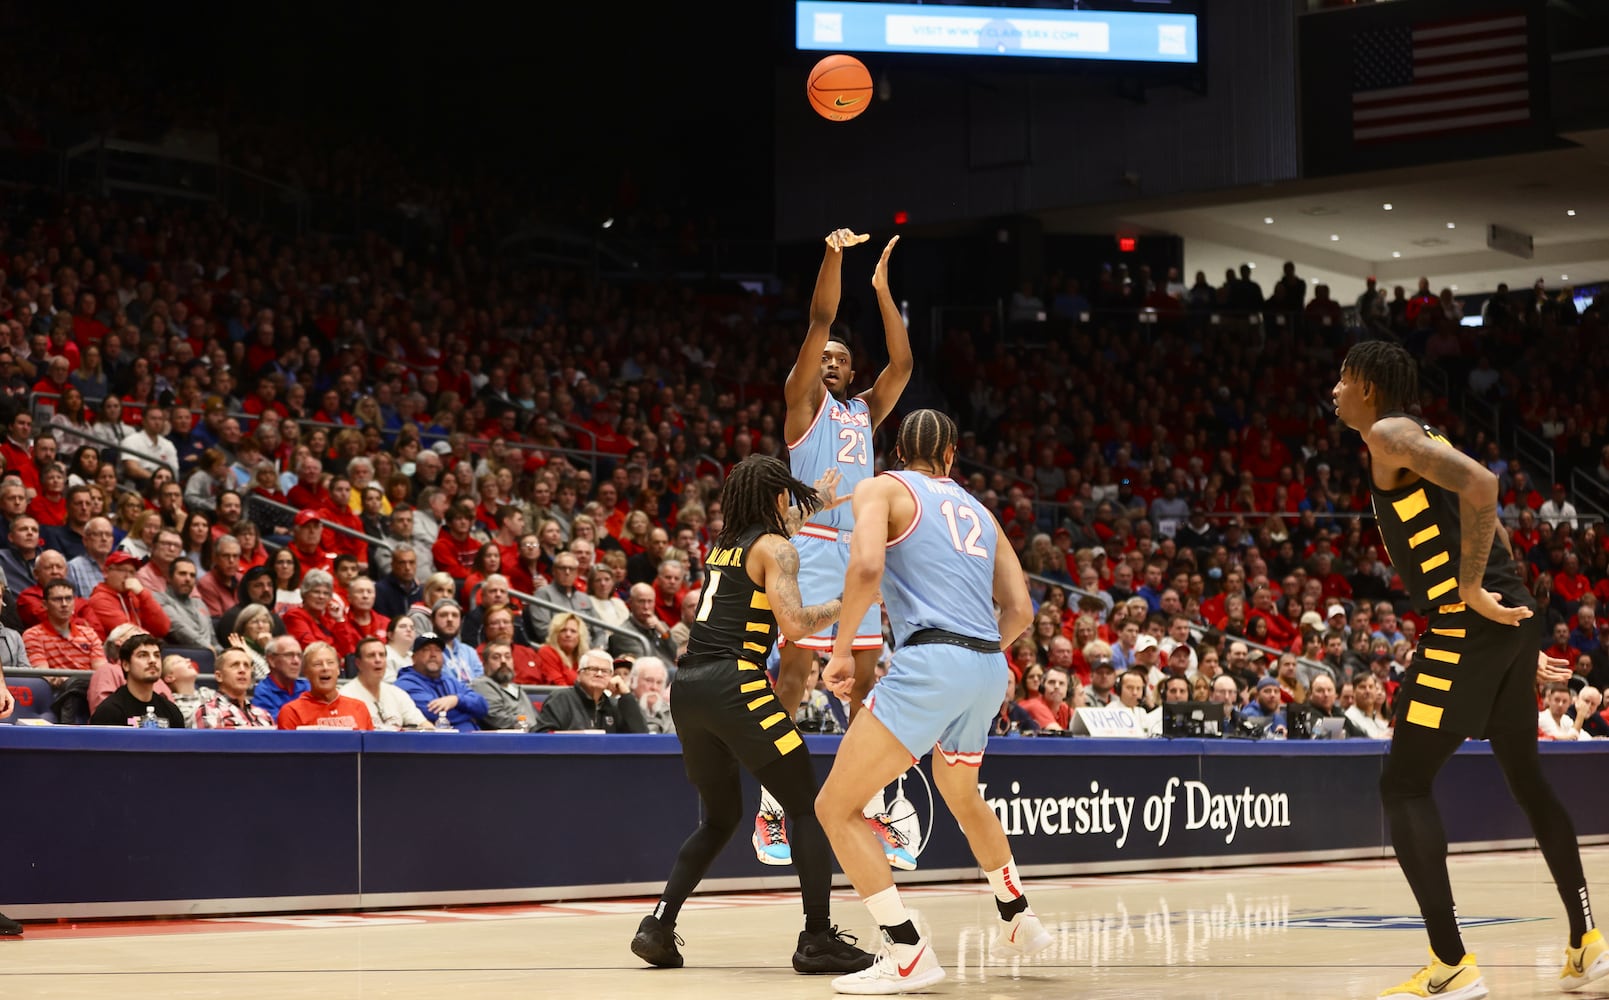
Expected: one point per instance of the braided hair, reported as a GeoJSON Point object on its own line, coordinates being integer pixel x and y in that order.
{"type": "Point", "coordinates": [749, 498]}
{"type": "Point", "coordinates": [1388, 367]}
{"type": "Point", "coordinates": [924, 436]}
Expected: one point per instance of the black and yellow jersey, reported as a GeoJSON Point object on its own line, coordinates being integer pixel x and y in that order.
{"type": "Point", "coordinates": [734, 620]}
{"type": "Point", "coordinates": [1421, 527]}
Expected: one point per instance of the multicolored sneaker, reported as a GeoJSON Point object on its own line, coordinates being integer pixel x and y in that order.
{"type": "Point", "coordinates": [1447, 982]}
{"type": "Point", "coordinates": [771, 840]}
{"type": "Point", "coordinates": [895, 845]}
{"type": "Point", "coordinates": [1586, 964]}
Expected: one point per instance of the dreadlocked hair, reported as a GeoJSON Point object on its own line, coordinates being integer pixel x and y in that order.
{"type": "Point", "coordinates": [1388, 367]}
{"type": "Point", "coordinates": [749, 498]}
{"type": "Point", "coordinates": [924, 436]}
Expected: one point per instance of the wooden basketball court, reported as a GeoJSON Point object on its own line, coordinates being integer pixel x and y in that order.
{"type": "Point", "coordinates": [1342, 930]}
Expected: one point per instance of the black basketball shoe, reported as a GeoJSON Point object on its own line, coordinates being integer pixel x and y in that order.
{"type": "Point", "coordinates": [829, 951]}
{"type": "Point", "coordinates": [656, 944]}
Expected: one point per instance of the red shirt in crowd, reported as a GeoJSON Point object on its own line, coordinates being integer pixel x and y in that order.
{"type": "Point", "coordinates": [307, 709]}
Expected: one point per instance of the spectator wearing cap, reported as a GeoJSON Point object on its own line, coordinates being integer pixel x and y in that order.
{"type": "Point", "coordinates": [1102, 673]}
{"type": "Point", "coordinates": [321, 705]}
{"type": "Point", "coordinates": [1266, 703]}
{"type": "Point", "coordinates": [307, 542]}
{"type": "Point", "coordinates": [319, 618]}
{"type": "Point", "coordinates": [1558, 509]}
{"type": "Point", "coordinates": [1148, 659]}
{"type": "Point", "coordinates": [437, 692]}
{"type": "Point", "coordinates": [120, 599]}
{"type": "Point", "coordinates": [284, 680]}
{"type": "Point", "coordinates": [458, 658]}
{"type": "Point", "coordinates": [600, 699]}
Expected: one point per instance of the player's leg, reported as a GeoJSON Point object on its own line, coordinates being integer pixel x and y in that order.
{"type": "Point", "coordinates": [822, 948]}
{"type": "Point", "coordinates": [713, 770]}
{"type": "Point", "coordinates": [1420, 842]}
{"type": "Point", "coordinates": [959, 754]}
{"type": "Point", "coordinates": [871, 756]}
{"type": "Point", "coordinates": [895, 850]}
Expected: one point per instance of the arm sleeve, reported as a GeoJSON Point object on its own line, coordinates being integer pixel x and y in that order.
{"type": "Point", "coordinates": [152, 616]}
{"type": "Point", "coordinates": [499, 714]}
{"type": "Point", "coordinates": [472, 703]}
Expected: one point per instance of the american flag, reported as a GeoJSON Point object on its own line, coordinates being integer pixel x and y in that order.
{"type": "Point", "coordinates": [1410, 81]}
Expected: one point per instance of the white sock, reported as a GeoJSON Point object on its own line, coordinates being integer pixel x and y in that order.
{"type": "Point", "coordinates": [1005, 881]}
{"type": "Point", "coordinates": [887, 909]}
{"type": "Point", "coordinates": [769, 804]}
{"type": "Point", "coordinates": [876, 806]}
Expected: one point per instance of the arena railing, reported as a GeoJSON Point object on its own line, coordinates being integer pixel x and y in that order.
{"type": "Point", "coordinates": [592, 623]}
{"type": "Point", "coordinates": [1307, 668]}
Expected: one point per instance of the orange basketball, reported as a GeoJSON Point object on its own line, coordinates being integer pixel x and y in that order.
{"type": "Point", "coordinates": [839, 88]}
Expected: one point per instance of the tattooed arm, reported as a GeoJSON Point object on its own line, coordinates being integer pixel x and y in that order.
{"type": "Point", "coordinates": [780, 571]}
{"type": "Point", "coordinates": [1403, 443]}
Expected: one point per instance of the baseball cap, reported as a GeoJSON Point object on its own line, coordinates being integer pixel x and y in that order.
{"type": "Point", "coordinates": [1098, 551]}
{"type": "Point", "coordinates": [424, 639]}
{"type": "Point", "coordinates": [1333, 610]}
{"type": "Point", "coordinates": [1267, 682]}
{"type": "Point", "coordinates": [122, 558]}
{"type": "Point", "coordinates": [1310, 619]}
{"type": "Point", "coordinates": [306, 517]}
{"type": "Point", "coordinates": [1255, 654]}
{"type": "Point", "coordinates": [1144, 643]}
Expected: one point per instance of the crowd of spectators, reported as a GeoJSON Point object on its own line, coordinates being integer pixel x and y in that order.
{"type": "Point", "coordinates": [236, 441]}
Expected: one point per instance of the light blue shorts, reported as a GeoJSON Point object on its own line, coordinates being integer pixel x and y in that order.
{"type": "Point", "coordinates": [941, 696]}
{"type": "Point", "coordinates": [822, 565]}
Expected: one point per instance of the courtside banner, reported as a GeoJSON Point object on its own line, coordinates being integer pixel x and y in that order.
{"type": "Point", "coordinates": [108, 822]}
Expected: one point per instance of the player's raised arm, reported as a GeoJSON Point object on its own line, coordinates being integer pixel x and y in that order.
{"type": "Point", "coordinates": [779, 571]}
{"type": "Point", "coordinates": [1403, 443]}
{"type": "Point", "coordinates": [803, 389]}
{"type": "Point", "coordinates": [1010, 590]}
{"type": "Point", "coordinates": [885, 392]}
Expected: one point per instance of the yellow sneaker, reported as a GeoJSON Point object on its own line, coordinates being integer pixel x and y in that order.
{"type": "Point", "coordinates": [1586, 964]}
{"type": "Point", "coordinates": [1438, 979]}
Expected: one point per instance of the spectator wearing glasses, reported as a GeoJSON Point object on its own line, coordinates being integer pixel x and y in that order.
{"type": "Point", "coordinates": [599, 699]}
{"type": "Point", "coordinates": [219, 586]}
{"type": "Point", "coordinates": [153, 576]}
{"type": "Point", "coordinates": [562, 591]}
{"type": "Point", "coordinates": [86, 571]}
{"type": "Point", "coordinates": [284, 680]}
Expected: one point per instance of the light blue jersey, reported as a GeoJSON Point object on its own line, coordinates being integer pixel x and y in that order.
{"type": "Point", "coordinates": [939, 572]}
{"type": "Point", "coordinates": [841, 436]}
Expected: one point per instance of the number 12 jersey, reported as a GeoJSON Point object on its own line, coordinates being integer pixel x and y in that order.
{"type": "Point", "coordinates": [939, 572]}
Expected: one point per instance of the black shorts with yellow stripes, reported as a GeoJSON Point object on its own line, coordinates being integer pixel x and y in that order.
{"type": "Point", "coordinates": [731, 702]}
{"type": "Point", "coordinates": [1471, 676]}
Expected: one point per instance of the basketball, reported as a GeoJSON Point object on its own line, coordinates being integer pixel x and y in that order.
{"type": "Point", "coordinates": [839, 88]}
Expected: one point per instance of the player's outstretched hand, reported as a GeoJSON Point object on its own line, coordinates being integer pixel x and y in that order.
{"type": "Point", "coordinates": [839, 675]}
{"type": "Point", "coordinates": [827, 488]}
{"type": "Point", "coordinates": [880, 273]}
{"type": "Point", "coordinates": [1489, 605]}
{"type": "Point", "coordinates": [1551, 669]}
{"type": "Point", "coordinates": [840, 238]}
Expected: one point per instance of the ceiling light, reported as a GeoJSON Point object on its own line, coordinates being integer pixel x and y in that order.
{"type": "Point", "coordinates": [1564, 277]}
{"type": "Point", "coordinates": [1335, 238]}
{"type": "Point", "coordinates": [1451, 226]}
{"type": "Point", "coordinates": [1252, 264]}
{"type": "Point", "coordinates": [1386, 206]}
{"type": "Point", "coordinates": [1453, 287]}
{"type": "Point", "coordinates": [1268, 220]}
{"type": "Point", "coordinates": [1396, 253]}
{"type": "Point", "coordinates": [1570, 212]}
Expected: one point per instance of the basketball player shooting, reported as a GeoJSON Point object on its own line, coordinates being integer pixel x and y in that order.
{"type": "Point", "coordinates": [1474, 673]}
{"type": "Point", "coordinates": [827, 428]}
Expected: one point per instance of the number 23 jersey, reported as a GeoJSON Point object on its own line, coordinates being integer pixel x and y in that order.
{"type": "Point", "coordinates": [841, 436]}
{"type": "Point", "coordinates": [939, 572]}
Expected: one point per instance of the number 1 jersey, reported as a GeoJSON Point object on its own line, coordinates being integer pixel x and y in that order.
{"type": "Point", "coordinates": [939, 572]}
{"type": "Point", "coordinates": [840, 435]}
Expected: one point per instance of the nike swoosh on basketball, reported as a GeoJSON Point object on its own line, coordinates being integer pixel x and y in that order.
{"type": "Point", "coordinates": [840, 102]}
{"type": "Point", "coordinates": [906, 970]}
{"type": "Point", "coordinates": [1436, 987]}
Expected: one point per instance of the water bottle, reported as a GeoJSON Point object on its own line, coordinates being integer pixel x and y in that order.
{"type": "Point", "coordinates": [524, 724]}
{"type": "Point", "coordinates": [443, 726]}
{"type": "Point", "coordinates": [150, 721]}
